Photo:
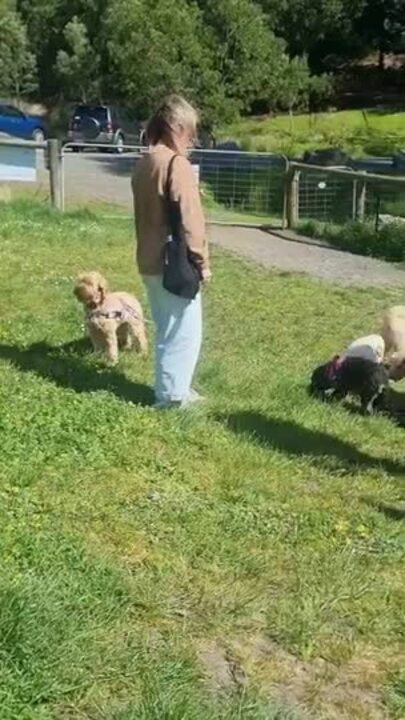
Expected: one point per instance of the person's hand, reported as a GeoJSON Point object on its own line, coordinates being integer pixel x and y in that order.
{"type": "Point", "coordinates": [206, 276]}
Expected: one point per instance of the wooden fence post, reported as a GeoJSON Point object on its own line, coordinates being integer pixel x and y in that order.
{"type": "Point", "coordinates": [293, 191]}
{"type": "Point", "coordinates": [354, 200]}
{"type": "Point", "coordinates": [361, 194]}
{"type": "Point", "coordinates": [55, 173]}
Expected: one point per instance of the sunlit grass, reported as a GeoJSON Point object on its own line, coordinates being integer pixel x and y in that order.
{"type": "Point", "coordinates": [368, 132]}
{"type": "Point", "coordinates": [236, 562]}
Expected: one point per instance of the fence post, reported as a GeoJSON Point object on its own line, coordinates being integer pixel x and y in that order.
{"type": "Point", "coordinates": [55, 173]}
{"type": "Point", "coordinates": [292, 191]}
{"type": "Point", "coordinates": [361, 194]}
{"type": "Point", "coordinates": [354, 200]}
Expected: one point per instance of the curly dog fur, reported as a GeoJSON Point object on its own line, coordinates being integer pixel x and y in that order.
{"type": "Point", "coordinates": [393, 332]}
{"type": "Point", "coordinates": [113, 319]}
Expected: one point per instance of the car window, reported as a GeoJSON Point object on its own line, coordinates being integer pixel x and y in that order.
{"type": "Point", "coordinates": [98, 112]}
{"type": "Point", "coordinates": [9, 111]}
{"type": "Point", "coordinates": [14, 112]}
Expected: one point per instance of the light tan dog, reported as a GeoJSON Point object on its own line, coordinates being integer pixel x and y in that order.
{"type": "Point", "coordinates": [393, 332]}
{"type": "Point", "coordinates": [113, 319]}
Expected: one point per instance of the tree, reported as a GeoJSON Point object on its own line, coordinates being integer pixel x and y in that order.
{"type": "Point", "coordinates": [382, 24]}
{"type": "Point", "coordinates": [297, 88]}
{"type": "Point", "coordinates": [294, 90]}
{"type": "Point", "coordinates": [248, 56]}
{"type": "Point", "coordinates": [228, 56]}
{"type": "Point", "coordinates": [18, 72]}
{"type": "Point", "coordinates": [156, 47]}
{"type": "Point", "coordinates": [46, 22]}
{"type": "Point", "coordinates": [78, 67]}
{"type": "Point", "coordinates": [308, 25]}
{"type": "Point", "coordinates": [7, 6]}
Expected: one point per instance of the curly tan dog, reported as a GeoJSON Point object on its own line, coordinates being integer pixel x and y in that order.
{"type": "Point", "coordinates": [370, 347]}
{"type": "Point", "coordinates": [393, 332]}
{"type": "Point", "coordinates": [113, 319]}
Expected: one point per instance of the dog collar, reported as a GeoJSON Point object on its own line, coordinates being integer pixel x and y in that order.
{"type": "Point", "coordinates": [334, 366]}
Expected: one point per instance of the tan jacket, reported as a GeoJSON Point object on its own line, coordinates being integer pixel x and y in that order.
{"type": "Point", "coordinates": [148, 185]}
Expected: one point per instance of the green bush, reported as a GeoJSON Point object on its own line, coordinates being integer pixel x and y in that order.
{"type": "Point", "coordinates": [387, 242]}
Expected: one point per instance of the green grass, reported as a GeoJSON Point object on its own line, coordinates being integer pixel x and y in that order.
{"type": "Point", "coordinates": [245, 210]}
{"type": "Point", "coordinates": [361, 238]}
{"type": "Point", "coordinates": [368, 132]}
{"type": "Point", "coordinates": [237, 562]}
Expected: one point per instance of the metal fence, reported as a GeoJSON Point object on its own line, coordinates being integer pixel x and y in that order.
{"type": "Point", "coordinates": [340, 194]}
{"type": "Point", "coordinates": [236, 186]}
{"type": "Point", "coordinates": [98, 177]}
{"type": "Point", "coordinates": [241, 186]}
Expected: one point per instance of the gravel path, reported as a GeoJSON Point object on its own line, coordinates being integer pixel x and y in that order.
{"type": "Point", "coordinates": [319, 261]}
{"type": "Point", "coordinates": [106, 177]}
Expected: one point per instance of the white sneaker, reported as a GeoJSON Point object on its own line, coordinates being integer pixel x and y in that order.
{"type": "Point", "coordinates": [192, 398]}
{"type": "Point", "coordinates": [167, 404]}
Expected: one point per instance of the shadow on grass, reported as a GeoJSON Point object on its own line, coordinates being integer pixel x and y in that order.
{"type": "Point", "coordinates": [292, 439]}
{"type": "Point", "coordinates": [65, 366]}
{"type": "Point", "coordinates": [391, 511]}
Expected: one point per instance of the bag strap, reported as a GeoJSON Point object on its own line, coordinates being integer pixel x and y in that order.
{"type": "Point", "coordinates": [168, 184]}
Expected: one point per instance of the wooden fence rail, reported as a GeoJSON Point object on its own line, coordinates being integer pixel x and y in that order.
{"type": "Point", "coordinates": [361, 181]}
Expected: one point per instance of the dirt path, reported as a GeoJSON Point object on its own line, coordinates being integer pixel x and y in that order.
{"type": "Point", "coordinates": [319, 261]}
{"type": "Point", "coordinates": [107, 178]}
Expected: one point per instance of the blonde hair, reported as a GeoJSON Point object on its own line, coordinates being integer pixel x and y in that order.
{"type": "Point", "coordinates": [173, 113]}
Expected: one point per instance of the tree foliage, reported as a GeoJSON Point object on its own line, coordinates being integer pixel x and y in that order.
{"type": "Point", "coordinates": [7, 6]}
{"type": "Point", "coordinates": [382, 24]}
{"type": "Point", "coordinates": [17, 63]}
{"type": "Point", "coordinates": [46, 22]}
{"type": "Point", "coordinates": [229, 56]}
{"type": "Point", "coordinates": [305, 23]}
{"type": "Point", "coordinates": [79, 65]}
{"type": "Point", "coordinates": [155, 47]}
{"type": "Point", "coordinates": [249, 57]}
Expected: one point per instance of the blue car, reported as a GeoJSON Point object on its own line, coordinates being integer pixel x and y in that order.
{"type": "Point", "coordinates": [16, 123]}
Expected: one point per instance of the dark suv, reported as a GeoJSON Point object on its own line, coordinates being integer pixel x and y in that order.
{"type": "Point", "coordinates": [104, 125]}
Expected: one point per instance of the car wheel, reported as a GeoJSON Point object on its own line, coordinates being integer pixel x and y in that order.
{"type": "Point", "coordinates": [119, 144]}
{"type": "Point", "coordinates": [38, 135]}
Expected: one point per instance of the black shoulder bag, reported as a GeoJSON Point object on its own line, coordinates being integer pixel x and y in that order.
{"type": "Point", "coordinates": [181, 274]}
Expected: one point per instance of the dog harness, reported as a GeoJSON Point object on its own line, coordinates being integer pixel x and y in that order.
{"type": "Point", "coordinates": [116, 314]}
{"type": "Point", "coordinates": [334, 367]}
{"type": "Point", "coordinates": [112, 315]}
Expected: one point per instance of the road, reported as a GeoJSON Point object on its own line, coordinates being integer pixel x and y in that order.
{"type": "Point", "coordinates": [106, 178]}
{"type": "Point", "coordinates": [95, 177]}
{"type": "Point", "coordinates": [303, 255]}
{"type": "Point", "coordinates": [89, 175]}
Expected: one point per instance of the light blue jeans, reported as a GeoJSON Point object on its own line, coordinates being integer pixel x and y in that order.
{"type": "Point", "coordinates": [178, 340]}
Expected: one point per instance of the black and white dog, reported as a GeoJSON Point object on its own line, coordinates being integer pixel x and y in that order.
{"type": "Point", "coordinates": [356, 376]}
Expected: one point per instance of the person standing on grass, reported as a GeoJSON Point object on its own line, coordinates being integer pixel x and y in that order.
{"type": "Point", "coordinates": [171, 131]}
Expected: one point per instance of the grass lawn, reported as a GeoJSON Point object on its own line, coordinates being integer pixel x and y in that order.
{"type": "Point", "coordinates": [241, 561]}
{"type": "Point", "coordinates": [368, 132]}
{"type": "Point", "coordinates": [361, 238]}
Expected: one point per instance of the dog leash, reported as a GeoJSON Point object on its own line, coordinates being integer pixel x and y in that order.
{"type": "Point", "coordinates": [118, 314]}
{"type": "Point", "coordinates": [135, 315]}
